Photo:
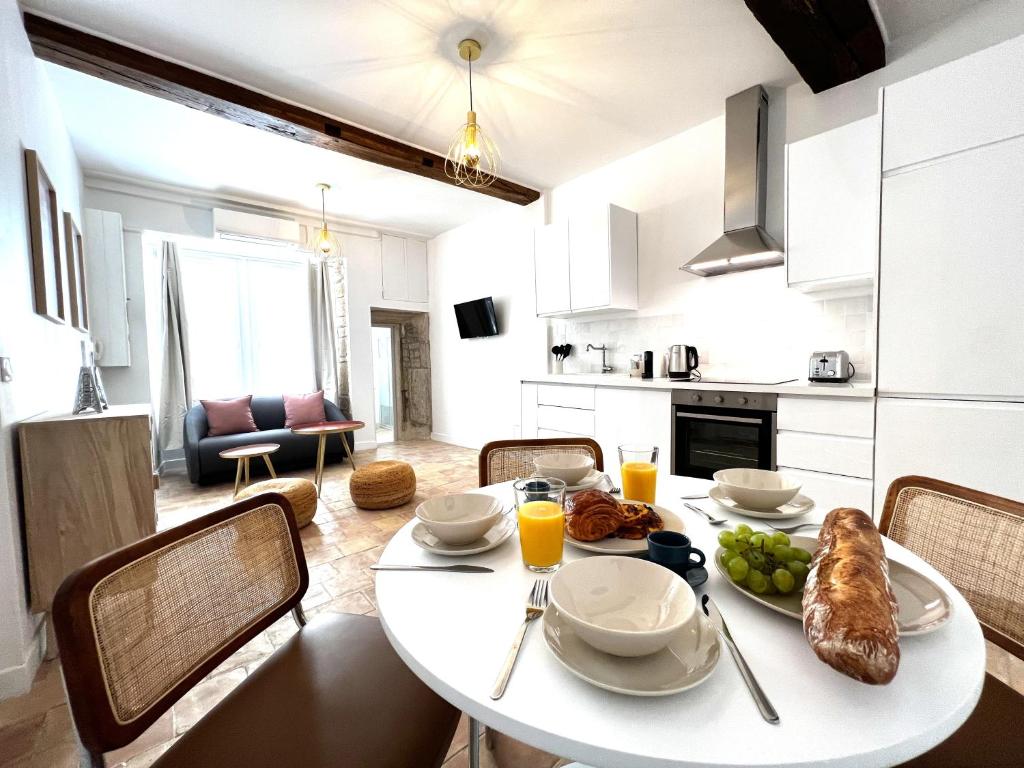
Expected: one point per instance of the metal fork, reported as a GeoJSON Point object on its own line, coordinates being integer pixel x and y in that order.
{"type": "Point", "coordinates": [705, 515]}
{"type": "Point", "coordinates": [791, 528]}
{"type": "Point", "coordinates": [535, 605]}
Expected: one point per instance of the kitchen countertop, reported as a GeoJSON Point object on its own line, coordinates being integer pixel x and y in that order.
{"type": "Point", "coordinates": [622, 381]}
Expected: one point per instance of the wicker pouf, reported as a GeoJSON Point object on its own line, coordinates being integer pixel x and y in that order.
{"type": "Point", "coordinates": [301, 493]}
{"type": "Point", "coordinates": [382, 485]}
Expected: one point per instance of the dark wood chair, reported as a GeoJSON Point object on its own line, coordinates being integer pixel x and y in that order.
{"type": "Point", "coordinates": [139, 627]}
{"type": "Point", "coordinates": [976, 540]}
{"type": "Point", "coordinates": [504, 460]}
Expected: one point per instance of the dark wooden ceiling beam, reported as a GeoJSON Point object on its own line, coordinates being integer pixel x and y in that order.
{"type": "Point", "coordinates": [830, 42]}
{"type": "Point", "coordinates": [116, 63]}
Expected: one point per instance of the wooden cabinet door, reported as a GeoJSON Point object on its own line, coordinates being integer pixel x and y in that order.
{"type": "Point", "coordinates": [833, 187]}
{"type": "Point", "coordinates": [392, 267]}
{"type": "Point", "coordinates": [589, 265]}
{"type": "Point", "coordinates": [416, 269]}
{"type": "Point", "coordinates": [551, 268]}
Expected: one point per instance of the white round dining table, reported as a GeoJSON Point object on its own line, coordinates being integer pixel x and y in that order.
{"type": "Point", "coordinates": [454, 631]}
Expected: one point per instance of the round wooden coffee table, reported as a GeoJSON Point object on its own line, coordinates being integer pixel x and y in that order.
{"type": "Point", "coordinates": [321, 430]}
{"type": "Point", "coordinates": [245, 452]}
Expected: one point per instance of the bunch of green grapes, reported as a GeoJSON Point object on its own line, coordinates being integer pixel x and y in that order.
{"type": "Point", "coordinates": [764, 563]}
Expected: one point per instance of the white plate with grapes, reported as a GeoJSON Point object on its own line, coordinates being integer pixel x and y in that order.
{"type": "Point", "coordinates": [923, 606]}
{"type": "Point", "coordinates": [800, 505]}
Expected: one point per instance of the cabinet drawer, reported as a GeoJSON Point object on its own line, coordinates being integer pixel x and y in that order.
{"type": "Point", "coordinates": [828, 416]}
{"type": "Point", "coordinates": [573, 420]}
{"type": "Point", "coordinates": [554, 433]}
{"type": "Point", "coordinates": [850, 456]}
{"type": "Point", "coordinates": [831, 491]}
{"type": "Point", "coordinates": [565, 396]}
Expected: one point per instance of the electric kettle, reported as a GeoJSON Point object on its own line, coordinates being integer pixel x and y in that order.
{"type": "Point", "coordinates": [682, 362]}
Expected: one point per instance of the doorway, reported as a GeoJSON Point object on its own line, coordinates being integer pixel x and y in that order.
{"type": "Point", "coordinates": [386, 371]}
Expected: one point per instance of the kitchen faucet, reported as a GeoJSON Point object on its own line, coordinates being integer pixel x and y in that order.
{"type": "Point", "coordinates": [605, 368]}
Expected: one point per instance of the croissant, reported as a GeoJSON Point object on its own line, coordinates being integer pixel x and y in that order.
{"type": "Point", "coordinates": [592, 515]}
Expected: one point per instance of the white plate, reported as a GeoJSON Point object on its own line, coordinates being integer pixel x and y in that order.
{"type": "Point", "coordinates": [688, 660]}
{"type": "Point", "coordinates": [800, 505]}
{"type": "Point", "coordinates": [923, 607]}
{"type": "Point", "coordinates": [592, 479]}
{"type": "Point", "coordinates": [498, 533]}
{"type": "Point", "coordinates": [671, 520]}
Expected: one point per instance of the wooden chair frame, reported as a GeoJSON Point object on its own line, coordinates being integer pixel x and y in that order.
{"type": "Point", "coordinates": [98, 729]}
{"type": "Point", "coordinates": [537, 443]}
{"type": "Point", "coordinates": [1008, 506]}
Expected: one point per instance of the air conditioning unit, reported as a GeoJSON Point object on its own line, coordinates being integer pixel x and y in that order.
{"type": "Point", "coordinates": [251, 227]}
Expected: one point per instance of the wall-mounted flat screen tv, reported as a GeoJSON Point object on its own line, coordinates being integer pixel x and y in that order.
{"type": "Point", "coordinates": [476, 318]}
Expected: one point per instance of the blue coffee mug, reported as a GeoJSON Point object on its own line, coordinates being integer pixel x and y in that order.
{"type": "Point", "coordinates": [673, 550]}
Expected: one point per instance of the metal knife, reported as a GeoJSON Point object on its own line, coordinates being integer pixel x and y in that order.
{"type": "Point", "coordinates": [764, 706]}
{"type": "Point", "coordinates": [448, 568]}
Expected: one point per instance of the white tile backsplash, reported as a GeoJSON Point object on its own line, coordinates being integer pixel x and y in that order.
{"type": "Point", "coordinates": [771, 339]}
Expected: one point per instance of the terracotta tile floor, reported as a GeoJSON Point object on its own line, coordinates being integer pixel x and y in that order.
{"type": "Point", "coordinates": [35, 729]}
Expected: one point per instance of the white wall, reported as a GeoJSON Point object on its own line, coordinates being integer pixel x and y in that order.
{"type": "Point", "coordinates": [475, 382]}
{"type": "Point", "coordinates": [980, 26]}
{"type": "Point", "coordinates": [45, 356]}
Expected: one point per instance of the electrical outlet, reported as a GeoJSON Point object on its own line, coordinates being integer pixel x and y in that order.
{"type": "Point", "coordinates": [6, 370]}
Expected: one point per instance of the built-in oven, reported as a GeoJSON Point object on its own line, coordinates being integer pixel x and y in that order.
{"type": "Point", "coordinates": [714, 430]}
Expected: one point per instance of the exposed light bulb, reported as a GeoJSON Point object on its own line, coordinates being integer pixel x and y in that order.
{"type": "Point", "coordinates": [323, 242]}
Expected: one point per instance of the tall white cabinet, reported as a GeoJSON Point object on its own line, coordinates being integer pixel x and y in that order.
{"type": "Point", "coordinates": [107, 288]}
{"type": "Point", "coordinates": [832, 207]}
{"type": "Point", "coordinates": [950, 371]}
{"type": "Point", "coordinates": [587, 263]}
{"type": "Point", "coordinates": [403, 268]}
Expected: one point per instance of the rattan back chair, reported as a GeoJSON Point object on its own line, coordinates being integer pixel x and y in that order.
{"type": "Point", "coordinates": [504, 460]}
{"type": "Point", "coordinates": [974, 539]}
{"type": "Point", "coordinates": [139, 627]}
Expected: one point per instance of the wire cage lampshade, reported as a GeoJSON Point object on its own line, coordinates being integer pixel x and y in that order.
{"type": "Point", "coordinates": [322, 241]}
{"type": "Point", "coordinates": [472, 159]}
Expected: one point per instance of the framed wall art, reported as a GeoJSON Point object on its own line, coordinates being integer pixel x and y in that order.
{"type": "Point", "coordinates": [44, 231]}
{"type": "Point", "coordinates": [75, 259]}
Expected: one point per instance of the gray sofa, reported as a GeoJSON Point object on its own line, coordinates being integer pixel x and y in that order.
{"type": "Point", "coordinates": [296, 452]}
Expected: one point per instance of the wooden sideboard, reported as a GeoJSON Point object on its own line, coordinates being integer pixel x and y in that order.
{"type": "Point", "coordinates": [88, 489]}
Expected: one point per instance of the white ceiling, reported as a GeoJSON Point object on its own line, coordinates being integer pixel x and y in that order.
{"type": "Point", "coordinates": [563, 86]}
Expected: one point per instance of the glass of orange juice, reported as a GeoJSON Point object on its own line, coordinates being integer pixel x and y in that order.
{"type": "Point", "coordinates": [639, 467]}
{"type": "Point", "coordinates": [541, 521]}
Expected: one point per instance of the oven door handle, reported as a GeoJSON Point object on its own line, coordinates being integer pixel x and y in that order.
{"type": "Point", "coordinates": [708, 417]}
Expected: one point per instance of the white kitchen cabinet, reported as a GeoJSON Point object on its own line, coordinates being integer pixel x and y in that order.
{"type": "Point", "coordinates": [528, 410]}
{"type": "Point", "coordinates": [832, 193]}
{"type": "Point", "coordinates": [636, 417]}
{"type": "Point", "coordinates": [841, 416]}
{"type": "Point", "coordinates": [106, 287]}
{"type": "Point", "coordinates": [600, 270]}
{"type": "Point", "coordinates": [551, 261]}
{"type": "Point", "coordinates": [566, 396]}
{"type": "Point", "coordinates": [574, 421]}
{"type": "Point", "coordinates": [403, 269]}
{"type": "Point", "coordinates": [949, 310]}
{"type": "Point", "coordinates": [976, 444]}
{"type": "Point", "coordinates": [835, 454]}
{"type": "Point", "coordinates": [966, 103]}
{"type": "Point", "coordinates": [831, 491]}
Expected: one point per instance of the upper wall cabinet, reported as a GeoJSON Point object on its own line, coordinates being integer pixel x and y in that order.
{"type": "Point", "coordinates": [403, 269]}
{"type": "Point", "coordinates": [978, 90]}
{"type": "Point", "coordinates": [832, 207]}
{"type": "Point", "coordinates": [587, 264]}
{"type": "Point", "coordinates": [105, 283]}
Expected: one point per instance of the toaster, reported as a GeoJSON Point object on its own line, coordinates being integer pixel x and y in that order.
{"type": "Point", "coordinates": [830, 366]}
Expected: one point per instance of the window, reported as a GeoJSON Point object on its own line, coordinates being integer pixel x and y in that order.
{"type": "Point", "coordinates": [248, 320]}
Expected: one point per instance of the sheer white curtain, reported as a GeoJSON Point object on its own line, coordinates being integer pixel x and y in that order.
{"type": "Point", "coordinates": [322, 313]}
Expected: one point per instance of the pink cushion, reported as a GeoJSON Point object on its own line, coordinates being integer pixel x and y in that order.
{"type": "Point", "coordinates": [229, 417]}
{"type": "Point", "coordinates": [304, 409]}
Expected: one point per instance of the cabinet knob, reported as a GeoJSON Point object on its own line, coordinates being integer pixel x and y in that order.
{"type": "Point", "coordinates": [719, 399]}
{"type": "Point", "coordinates": [695, 398]}
{"type": "Point", "coordinates": [742, 401]}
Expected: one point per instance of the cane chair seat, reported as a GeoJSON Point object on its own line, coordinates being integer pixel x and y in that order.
{"type": "Point", "coordinates": [504, 460]}
{"type": "Point", "coordinates": [976, 540]}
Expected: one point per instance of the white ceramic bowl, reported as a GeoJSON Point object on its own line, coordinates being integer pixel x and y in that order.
{"type": "Point", "coordinates": [570, 468]}
{"type": "Point", "coordinates": [460, 518]}
{"type": "Point", "coordinates": [757, 488]}
{"type": "Point", "coordinates": [622, 605]}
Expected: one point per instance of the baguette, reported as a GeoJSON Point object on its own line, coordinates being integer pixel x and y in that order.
{"type": "Point", "coordinates": [849, 608]}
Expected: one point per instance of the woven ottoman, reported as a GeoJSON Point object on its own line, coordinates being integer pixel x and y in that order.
{"type": "Point", "coordinates": [382, 485]}
{"type": "Point", "coordinates": [301, 493]}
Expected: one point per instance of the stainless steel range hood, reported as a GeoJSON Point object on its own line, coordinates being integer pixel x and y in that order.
{"type": "Point", "coordinates": [745, 244]}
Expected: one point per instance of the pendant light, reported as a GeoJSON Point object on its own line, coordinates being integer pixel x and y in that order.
{"type": "Point", "coordinates": [324, 243]}
{"type": "Point", "coordinates": [472, 158]}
